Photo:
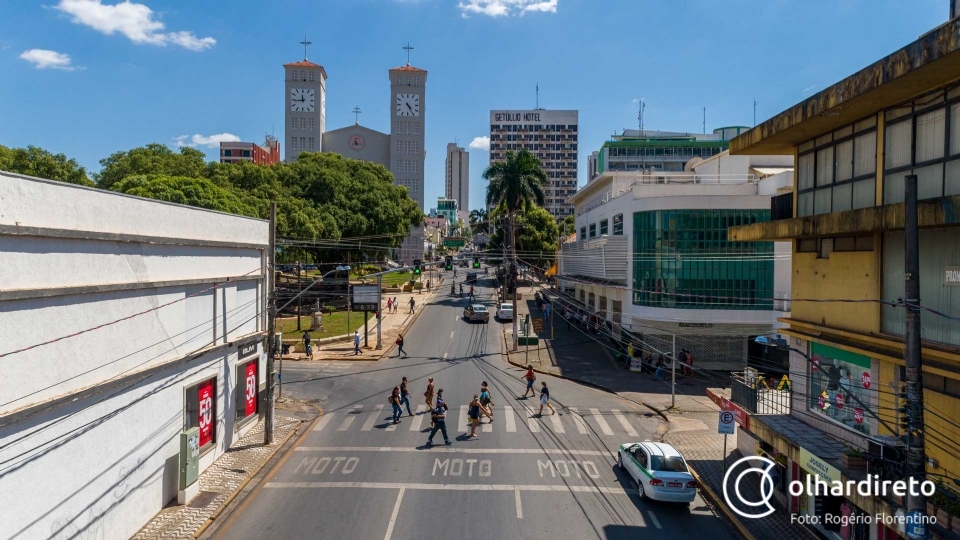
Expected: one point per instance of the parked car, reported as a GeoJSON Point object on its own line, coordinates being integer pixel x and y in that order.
{"type": "Point", "coordinates": [659, 470]}
{"type": "Point", "coordinates": [464, 263]}
{"type": "Point", "coordinates": [505, 312]}
{"type": "Point", "coordinates": [476, 312]}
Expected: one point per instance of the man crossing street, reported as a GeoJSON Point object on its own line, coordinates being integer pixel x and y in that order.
{"type": "Point", "coordinates": [356, 343]}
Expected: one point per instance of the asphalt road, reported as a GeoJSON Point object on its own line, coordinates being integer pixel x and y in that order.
{"type": "Point", "coordinates": [357, 476]}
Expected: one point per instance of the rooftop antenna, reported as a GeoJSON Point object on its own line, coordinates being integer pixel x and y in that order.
{"type": "Point", "coordinates": [356, 114]}
{"type": "Point", "coordinates": [754, 112]}
{"type": "Point", "coordinates": [643, 159]}
{"type": "Point", "coordinates": [305, 43]}
{"type": "Point", "coordinates": [704, 120]}
{"type": "Point", "coordinates": [538, 98]}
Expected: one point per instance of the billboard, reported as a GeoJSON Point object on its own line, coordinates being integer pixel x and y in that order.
{"type": "Point", "coordinates": [365, 298]}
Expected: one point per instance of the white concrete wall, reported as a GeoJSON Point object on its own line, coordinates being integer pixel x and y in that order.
{"type": "Point", "coordinates": [90, 424]}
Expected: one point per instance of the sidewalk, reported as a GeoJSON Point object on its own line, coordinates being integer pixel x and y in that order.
{"type": "Point", "coordinates": [220, 482]}
{"type": "Point", "coordinates": [391, 325]}
{"type": "Point", "coordinates": [690, 426]}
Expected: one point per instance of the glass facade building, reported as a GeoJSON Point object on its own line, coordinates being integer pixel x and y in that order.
{"type": "Point", "coordinates": [682, 259]}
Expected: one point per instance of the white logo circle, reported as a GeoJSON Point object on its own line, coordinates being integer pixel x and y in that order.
{"type": "Point", "coordinates": [766, 487]}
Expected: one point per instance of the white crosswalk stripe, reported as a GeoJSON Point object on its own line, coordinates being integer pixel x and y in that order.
{"type": "Point", "coordinates": [604, 427]}
{"type": "Point", "coordinates": [462, 422]}
{"type": "Point", "coordinates": [418, 418]}
{"type": "Point", "coordinates": [510, 420]}
{"type": "Point", "coordinates": [623, 422]}
{"type": "Point", "coordinates": [557, 426]}
{"type": "Point", "coordinates": [532, 422]}
{"type": "Point", "coordinates": [372, 419]}
{"type": "Point", "coordinates": [349, 419]}
{"type": "Point", "coordinates": [578, 420]}
{"type": "Point", "coordinates": [324, 420]}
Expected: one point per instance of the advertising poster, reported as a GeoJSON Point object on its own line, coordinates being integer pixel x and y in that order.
{"type": "Point", "coordinates": [205, 399]}
{"type": "Point", "coordinates": [251, 392]}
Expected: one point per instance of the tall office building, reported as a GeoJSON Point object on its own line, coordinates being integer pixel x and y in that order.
{"type": "Point", "coordinates": [592, 166]}
{"type": "Point", "coordinates": [458, 176]}
{"type": "Point", "coordinates": [549, 135]}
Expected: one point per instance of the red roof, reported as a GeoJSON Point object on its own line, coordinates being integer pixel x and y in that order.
{"type": "Point", "coordinates": [303, 63]}
{"type": "Point", "coordinates": [408, 67]}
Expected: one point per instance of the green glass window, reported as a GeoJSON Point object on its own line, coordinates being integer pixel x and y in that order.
{"type": "Point", "coordinates": [682, 259]}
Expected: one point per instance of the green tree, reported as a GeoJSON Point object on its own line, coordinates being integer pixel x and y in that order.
{"type": "Point", "coordinates": [537, 234]}
{"type": "Point", "coordinates": [152, 159]}
{"type": "Point", "coordinates": [568, 225]}
{"type": "Point", "coordinates": [478, 221]}
{"type": "Point", "coordinates": [515, 184]}
{"type": "Point", "coordinates": [198, 192]}
{"type": "Point", "coordinates": [35, 161]}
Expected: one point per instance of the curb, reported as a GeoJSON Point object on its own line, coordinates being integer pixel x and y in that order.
{"type": "Point", "coordinates": [216, 515]}
{"type": "Point", "coordinates": [719, 503]}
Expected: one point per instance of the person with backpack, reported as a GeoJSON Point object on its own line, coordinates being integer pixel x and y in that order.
{"type": "Point", "coordinates": [530, 377]}
{"type": "Point", "coordinates": [400, 346]}
{"type": "Point", "coordinates": [405, 395]}
{"type": "Point", "coordinates": [545, 398]}
{"type": "Point", "coordinates": [473, 412]}
{"type": "Point", "coordinates": [486, 402]}
{"type": "Point", "coordinates": [438, 419]}
{"type": "Point", "coordinates": [394, 400]}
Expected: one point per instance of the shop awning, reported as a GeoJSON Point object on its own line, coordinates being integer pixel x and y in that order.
{"type": "Point", "coordinates": [552, 271]}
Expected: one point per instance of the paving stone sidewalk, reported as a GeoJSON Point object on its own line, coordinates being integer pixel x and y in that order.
{"type": "Point", "coordinates": [219, 483]}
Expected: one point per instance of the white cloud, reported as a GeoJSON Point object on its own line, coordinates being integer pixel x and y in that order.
{"type": "Point", "coordinates": [136, 21]}
{"type": "Point", "coordinates": [43, 59]}
{"type": "Point", "coordinates": [499, 8]}
{"type": "Point", "coordinates": [480, 143]}
{"type": "Point", "coordinates": [213, 141]}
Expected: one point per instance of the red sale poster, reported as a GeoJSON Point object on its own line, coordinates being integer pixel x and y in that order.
{"type": "Point", "coordinates": [251, 389]}
{"type": "Point", "coordinates": [205, 399]}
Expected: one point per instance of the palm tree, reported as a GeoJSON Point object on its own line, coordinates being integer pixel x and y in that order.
{"type": "Point", "coordinates": [513, 184]}
{"type": "Point", "coordinates": [478, 218]}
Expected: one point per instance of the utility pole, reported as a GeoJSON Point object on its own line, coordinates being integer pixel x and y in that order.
{"type": "Point", "coordinates": [271, 325]}
{"type": "Point", "coordinates": [754, 113]}
{"type": "Point", "coordinates": [912, 355]}
{"type": "Point", "coordinates": [512, 224]}
{"type": "Point", "coordinates": [299, 294]}
{"type": "Point", "coordinates": [379, 308]}
{"type": "Point", "coordinates": [673, 375]}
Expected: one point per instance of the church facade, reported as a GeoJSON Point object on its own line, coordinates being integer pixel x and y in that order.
{"type": "Point", "coordinates": [401, 151]}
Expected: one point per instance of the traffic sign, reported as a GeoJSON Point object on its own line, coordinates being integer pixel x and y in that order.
{"type": "Point", "coordinates": [726, 424]}
{"type": "Point", "coordinates": [865, 379]}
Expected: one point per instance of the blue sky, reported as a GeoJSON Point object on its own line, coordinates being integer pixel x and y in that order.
{"type": "Point", "coordinates": [90, 77]}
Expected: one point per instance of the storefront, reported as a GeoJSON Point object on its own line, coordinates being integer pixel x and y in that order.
{"type": "Point", "coordinates": [838, 382]}
{"type": "Point", "coordinates": [836, 516]}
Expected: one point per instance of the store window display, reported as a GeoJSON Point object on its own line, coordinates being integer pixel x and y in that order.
{"type": "Point", "coordinates": [839, 382]}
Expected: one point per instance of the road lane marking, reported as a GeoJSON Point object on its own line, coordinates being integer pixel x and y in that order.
{"type": "Point", "coordinates": [444, 355]}
{"type": "Point", "coordinates": [511, 423]}
{"type": "Point", "coordinates": [462, 423]}
{"type": "Point", "coordinates": [450, 487]}
{"type": "Point", "coordinates": [532, 423]}
{"type": "Point", "coordinates": [557, 426]}
{"type": "Point", "coordinates": [324, 420]}
{"type": "Point", "coordinates": [451, 333]}
{"type": "Point", "coordinates": [454, 450]}
{"type": "Point", "coordinates": [578, 420]}
{"type": "Point", "coordinates": [604, 427]}
{"type": "Point", "coordinates": [488, 427]}
{"type": "Point", "coordinates": [391, 426]}
{"type": "Point", "coordinates": [393, 517]}
{"type": "Point", "coordinates": [349, 419]}
{"type": "Point", "coordinates": [372, 419]}
{"type": "Point", "coordinates": [653, 518]}
{"type": "Point", "coordinates": [418, 418]}
{"type": "Point", "coordinates": [516, 494]}
{"type": "Point", "coordinates": [623, 422]}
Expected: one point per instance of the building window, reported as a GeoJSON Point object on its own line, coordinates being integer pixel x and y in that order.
{"type": "Point", "coordinates": [311, 142]}
{"type": "Point", "coordinates": [246, 153]}
{"type": "Point", "coordinates": [922, 137]}
{"type": "Point", "coordinates": [593, 230]}
{"type": "Point", "coordinates": [682, 259]}
{"type": "Point", "coordinates": [618, 225]}
{"type": "Point", "coordinates": [837, 171]}
{"type": "Point", "coordinates": [245, 397]}
{"type": "Point", "coordinates": [311, 125]}
{"type": "Point", "coordinates": [603, 227]}
{"type": "Point", "coordinates": [293, 143]}
{"type": "Point", "coordinates": [294, 122]}
{"type": "Point", "coordinates": [293, 75]}
{"type": "Point", "coordinates": [583, 233]}
{"type": "Point", "coordinates": [303, 143]}
{"type": "Point", "coordinates": [414, 128]}
{"type": "Point", "coordinates": [303, 75]}
{"type": "Point", "coordinates": [201, 411]}
{"type": "Point", "coordinates": [228, 153]}
{"type": "Point", "coordinates": [835, 379]}
{"type": "Point", "coordinates": [311, 76]}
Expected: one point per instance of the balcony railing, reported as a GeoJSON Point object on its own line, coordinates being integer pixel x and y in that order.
{"type": "Point", "coordinates": [623, 183]}
{"type": "Point", "coordinates": [751, 390]}
{"type": "Point", "coordinates": [602, 258]}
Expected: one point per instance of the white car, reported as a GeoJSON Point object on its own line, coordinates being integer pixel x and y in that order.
{"type": "Point", "coordinates": [505, 312]}
{"type": "Point", "coordinates": [659, 470]}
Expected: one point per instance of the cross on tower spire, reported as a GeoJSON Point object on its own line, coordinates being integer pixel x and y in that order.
{"type": "Point", "coordinates": [305, 43]}
{"type": "Point", "coordinates": [356, 114]}
{"type": "Point", "coordinates": [408, 48]}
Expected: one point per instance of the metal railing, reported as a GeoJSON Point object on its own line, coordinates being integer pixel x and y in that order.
{"type": "Point", "coordinates": [750, 390]}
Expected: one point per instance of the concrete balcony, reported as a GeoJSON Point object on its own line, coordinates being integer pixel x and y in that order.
{"type": "Point", "coordinates": [602, 258]}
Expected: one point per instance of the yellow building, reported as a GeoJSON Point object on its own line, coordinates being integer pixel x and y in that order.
{"type": "Point", "coordinates": [853, 144]}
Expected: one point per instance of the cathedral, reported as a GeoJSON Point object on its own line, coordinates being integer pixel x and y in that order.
{"type": "Point", "coordinates": [401, 151]}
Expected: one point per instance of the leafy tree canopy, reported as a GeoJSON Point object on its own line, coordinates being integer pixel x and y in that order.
{"type": "Point", "coordinates": [34, 161]}
{"type": "Point", "coordinates": [537, 234]}
{"type": "Point", "coordinates": [198, 192]}
{"type": "Point", "coordinates": [153, 159]}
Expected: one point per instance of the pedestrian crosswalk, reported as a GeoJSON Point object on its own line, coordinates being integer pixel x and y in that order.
{"type": "Point", "coordinates": [606, 422]}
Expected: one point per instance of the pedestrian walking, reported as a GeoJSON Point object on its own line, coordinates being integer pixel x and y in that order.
{"type": "Point", "coordinates": [400, 346]}
{"type": "Point", "coordinates": [413, 303]}
{"type": "Point", "coordinates": [396, 305]}
{"type": "Point", "coordinates": [566, 316]}
{"type": "Point", "coordinates": [545, 399]}
{"type": "Point", "coordinates": [306, 343]}
{"type": "Point", "coordinates": [471, 293]}
{"type": "Point", "coordinates": [473, 411]}
{"type": "Point", "coordinates": [530, 377]}
{"type": "Point", "coordinates": [395, 402]}
{"type": "Point", "coordinates": [405, 395]}
{"type": "Point", "coordinates": [356, 343]}
{"type": "Point", "coordinates": [389, 304]}
{"type": "Point", "coordinates": [429, 393]}
{"type": "Point", "coordinates": [461, 290]}
{"type": "Point", "coordinates": [539, 302]}
{"type": "Point", "coordinates": [659, 366]}
{"type": "Point", "coordinates": [688, 364]}
{"type": "Point", "coordinates": [438, 419]}
{"type": "Point", "coordinates": [486, 401]}
{"type": "Point", "coordinates": [648, 362]}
